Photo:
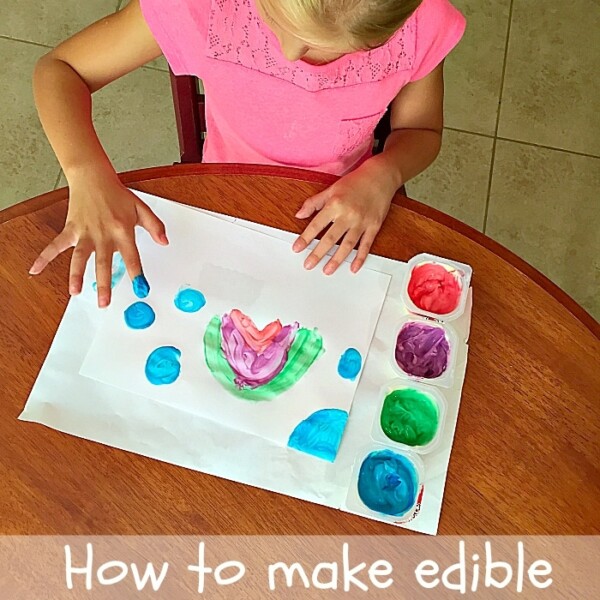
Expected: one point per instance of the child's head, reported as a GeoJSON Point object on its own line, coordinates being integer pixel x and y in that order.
{"type": "Point", "coordinates": [335, 26]}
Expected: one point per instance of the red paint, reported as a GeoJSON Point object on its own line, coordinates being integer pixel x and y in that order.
{"type": "Point", "coordinates": [435, 289]}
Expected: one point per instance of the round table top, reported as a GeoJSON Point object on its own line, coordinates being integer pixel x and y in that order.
{"type": "Point", "coordinates": [526, 454]}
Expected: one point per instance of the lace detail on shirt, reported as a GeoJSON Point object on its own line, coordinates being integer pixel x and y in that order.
{"type": "Point", "coordinates": [237, 34]}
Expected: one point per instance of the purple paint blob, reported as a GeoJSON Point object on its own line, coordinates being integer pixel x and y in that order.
{"type": "Point", "coordinates": [251, 368]}
{"type": "Point", "coordinates": [422, 350]}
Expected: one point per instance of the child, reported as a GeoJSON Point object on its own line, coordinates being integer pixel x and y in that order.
{"type": "Point", "coordinates": [291, 82]}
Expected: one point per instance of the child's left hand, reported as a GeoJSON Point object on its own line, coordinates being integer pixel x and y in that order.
{"type": "Point", "coordinates": [356, 206]}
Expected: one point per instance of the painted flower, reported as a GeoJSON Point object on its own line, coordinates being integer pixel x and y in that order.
{"type": "Point", "coordinates": [258, 364]}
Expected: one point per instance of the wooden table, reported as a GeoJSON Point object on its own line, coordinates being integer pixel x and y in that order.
{"type": "Point", "coordinates": [526, 456]}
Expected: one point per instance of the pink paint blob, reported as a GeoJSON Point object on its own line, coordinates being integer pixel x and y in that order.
{"type": "Point", "coordinates": [258, 339]}
{"type": "Point", "coordinates": [434, 288]}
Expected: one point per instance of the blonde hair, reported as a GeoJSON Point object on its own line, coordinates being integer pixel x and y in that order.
{"type": "Point", "coordinates": [368, 23]}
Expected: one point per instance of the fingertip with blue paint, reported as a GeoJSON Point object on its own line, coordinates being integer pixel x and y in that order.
{"type": "Point", "coordinates": [141, 287]}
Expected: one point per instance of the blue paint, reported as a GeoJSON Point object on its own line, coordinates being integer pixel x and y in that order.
{"type": "Point", "coordinates": [141, 287]}
{"type": "Point", "coordinates": [189, 300]}
{"type": "Point", "coordinates": [118, 270]}
{"type": "Point", "coordinates": [320, 434]}
{"type": "Point", "coordinates": [388, 483]}
{"type": "Point", "coordinates": [162, 366]}
{"type": "Point", "coordinates": [139, 315]}
{"type": "Point", "coordinates": [350, 364]}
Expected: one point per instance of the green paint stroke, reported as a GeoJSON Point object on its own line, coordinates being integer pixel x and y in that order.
{"type": "Point", "coordinates": [409, 417]}
{"type": "Point", "coordinates": [305, 349]}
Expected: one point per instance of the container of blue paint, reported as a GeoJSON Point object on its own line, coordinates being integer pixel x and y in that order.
{"type": "Point", "coordinates": [425, 351]}
{"type": "Point", "coordinates": [387, 484]}
{"type": "Point", "coordinates": [411, 416]}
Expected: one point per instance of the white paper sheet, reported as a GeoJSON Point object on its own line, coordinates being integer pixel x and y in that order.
{"type": "Point", "coordinates": [66, 401]}
{"type": "Point", "coordinates": [235, 267]}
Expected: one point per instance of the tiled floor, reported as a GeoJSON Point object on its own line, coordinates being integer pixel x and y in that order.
{"type": "Point", "coordinates": [521, 155]}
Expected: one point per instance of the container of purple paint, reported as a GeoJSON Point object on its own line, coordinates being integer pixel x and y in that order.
{"type": "Point", "coordinates": [425, 350]}
{"type": "Point", "coordinates": [411, 416]}
{"type": "Point", "coordinates": [436, 287]}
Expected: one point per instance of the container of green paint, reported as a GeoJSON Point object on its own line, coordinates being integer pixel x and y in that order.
{"type": "Point", "coordinates": [411, 416]}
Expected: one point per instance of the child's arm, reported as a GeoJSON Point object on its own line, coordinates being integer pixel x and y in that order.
{"type": "Point", "coordinates": [102, 212]}
{"type": "Point", "coordinates": [357, 204]}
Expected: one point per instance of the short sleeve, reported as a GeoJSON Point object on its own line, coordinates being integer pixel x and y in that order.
{"type": "Point", "coordinates": [179, 28]}
{"type": "Point", "coordinates": [440, 26]}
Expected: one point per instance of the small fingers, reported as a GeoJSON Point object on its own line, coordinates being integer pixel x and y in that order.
{"type": "Point", "coordinates": [104, 257]}
{"type": "Point", "coordinates": [63, 241]}
{"type": "Point", "coordinates": [78, 261]}
{"type": "Point", "coordinates": [363, 249]}
{"type": "Point", "coordinates": [151, 223]}
{"type": "Point", "coordinates": [310, 233]}
{"type": "Point", "coordinates": [327, 242]}
{"type": "Point", "coordinates": [131, 257]}
{"type": "Point", "coordinates": [350, 240]}
{"type": "Point", "coordinates": [312, 204]}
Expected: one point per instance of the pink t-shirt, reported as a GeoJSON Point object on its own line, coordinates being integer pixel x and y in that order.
{"type": "Point", "coordinates": [263, 109]}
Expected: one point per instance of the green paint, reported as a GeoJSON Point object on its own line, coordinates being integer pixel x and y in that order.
{"type": "Point", "coordinates": [409, 417]}
{"type": "Point", "coordinates": [306, 348]}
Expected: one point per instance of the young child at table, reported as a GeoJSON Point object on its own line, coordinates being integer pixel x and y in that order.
{"type": "Point", "coordinates": [291, 82]}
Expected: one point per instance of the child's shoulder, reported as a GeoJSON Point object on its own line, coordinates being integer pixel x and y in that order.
{"type": "Point", "coordinates": [438, 27]}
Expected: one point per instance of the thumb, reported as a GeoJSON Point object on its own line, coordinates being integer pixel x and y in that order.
{"type": "Point", "coordinates": [152, 224]}
{"type": "Point", "coordinates": [312, 204]}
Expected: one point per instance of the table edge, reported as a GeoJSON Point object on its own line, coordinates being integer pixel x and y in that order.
{"type": "Point", "coordinates": [181, 170]}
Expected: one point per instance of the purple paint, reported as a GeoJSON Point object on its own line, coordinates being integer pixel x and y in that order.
{"type": "Point", "coordinates": [422, 350]}
{"type": "Point", "coordinates": [251, 368]}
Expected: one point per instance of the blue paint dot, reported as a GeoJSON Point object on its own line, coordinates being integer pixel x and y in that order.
{"type": "Point", "coordinates": [139, 315]}
{"type": "Point", "coordinates": [388, 483]}
{"type": "Point", "coordinates": [118, 270]}
{"type": "Point", "coordinates": [162, 366]}
{"type": "Point", "coordinates": [350, 364]}
{"type": "Point", "coordinates": [141, 287]}
{"type": "Point", "coordinates": [320, 434]}
{"type": "Point", "coordinates": [189, 300]}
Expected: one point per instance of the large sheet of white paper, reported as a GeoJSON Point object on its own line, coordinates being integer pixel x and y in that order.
{"type": "Point", "coordinates": [69, 402]}
{"type": "Point", "coordinates": [235, 268]}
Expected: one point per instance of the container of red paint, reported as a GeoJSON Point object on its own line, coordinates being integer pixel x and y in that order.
{"type": "Point", "coordinates": [436, 287]}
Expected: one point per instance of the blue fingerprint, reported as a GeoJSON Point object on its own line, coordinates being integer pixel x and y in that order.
{"type": "Point", "coordinates": [350, 364]}
{"type": "Point", "coordinates": [189, 300]}
{"type": "Point", "coordinates": [162, 366]}
{"type": "Point", "coordinates": [139, 315]}
{"type": "Point", "coordinates": [141, 287]}
{"type": "Point", "coordinates": [118, 270]}
{"type": "Point", "coordinates": [388, 483]}
{"type": "Point", "coordinates": [320, 434]}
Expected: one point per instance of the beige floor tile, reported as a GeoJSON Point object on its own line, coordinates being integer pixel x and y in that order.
{"type": "Point", "coordinates": [27, 164]}
{"type": "Point", "coordinates": [473, 71]}
{"type": "Point", "coordinates": [545, 206]}
{"type": "Point", "coordinates": [135, 120]}
{"type": "Point", "coordinates": [551, 86]}
{"type": "Point", "coordinates": [50, 21]}
{"type": "Point", "coordinates": [457, 182]}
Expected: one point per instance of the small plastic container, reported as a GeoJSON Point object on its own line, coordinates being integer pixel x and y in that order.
{"type": "Point", "coordinates": [462, 274]}
{"type": "Point", "coordinates": [413, 463]}
{"type": "Point", "coordinates": [433, 395]}
{"type": "Point", "coordinates": [446, 379]}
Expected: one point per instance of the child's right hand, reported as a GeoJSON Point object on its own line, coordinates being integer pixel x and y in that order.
{"type": "Point", "coordinates": [101, 218]}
